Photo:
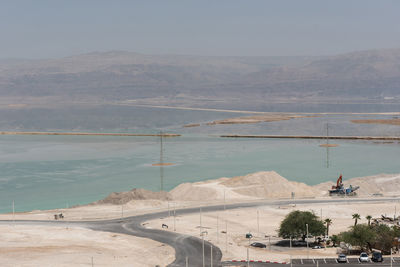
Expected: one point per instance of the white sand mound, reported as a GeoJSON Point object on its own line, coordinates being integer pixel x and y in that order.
{"type": "Point", "coordinates": [205, 190]}
{"type": "Point", "coordinates": [256, 185]}
{"type": "Point", "coordinates": [135, 194]}
{"type": "Point", "coordinates": [269, 185]}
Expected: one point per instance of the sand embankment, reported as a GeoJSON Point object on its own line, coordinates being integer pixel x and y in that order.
{"type": "Point", "coordinates": [87, 134]}
{"type": "Point", "coordinates": [257, 119]}
{"type": "Point", "coordinates": [251, 186]}
{"type": "Point", "coordinates": [381, 184]}
{"type": "Point", "coordinates": [259, 185]}
{"type": "Point", "coordinates": [120, 198]}
{"type": "Point", "coordinates": [381, 121]}
{"type": "Point", "coordinates": [271, 185]}
{"type": "Point", "coordinates": [313, 137]}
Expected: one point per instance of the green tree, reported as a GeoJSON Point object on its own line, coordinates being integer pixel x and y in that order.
{"type": "Point", "coordinates": [384, 237]}
{"type": "Point", "coordinates": [396, 231]}
{"type": "Point", "coordinates": [356, 217]}
{"type": "Point", "coordinates": [359, 235]}
{"type": "Point", "coordinates": [335, 240]}
{"type": "Point", "coordinates": [328, 222]}
{"type": "Point", "coordinates": [369, 217]}
{"type": "Point", "coordinates": [294, 225]}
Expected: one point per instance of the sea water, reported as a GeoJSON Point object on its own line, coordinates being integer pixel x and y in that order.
{"type": "Point", "coordinates": [43, 172]}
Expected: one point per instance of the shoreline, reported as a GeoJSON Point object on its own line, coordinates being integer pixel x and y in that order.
{"type": "Point", "coordinates": [313, 137]}
{"type": "Point", "coordinates": [85, 133]}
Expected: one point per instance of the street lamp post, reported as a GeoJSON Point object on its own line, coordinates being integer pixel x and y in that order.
{"type": "Point", "coordinates": [391, 258]}
{"type": "Point", "coordinates": [226, 235]}
{"type": "Point", "coordinates": [174, 217]}
{"type": "Point", "coordinates": [291, 251]}
{"type": "Point", "coordinates": [201, 227]}
{"type": "Point", "coordinates": [217, 230]}
{"type": "Point", "coordinates": [307, 240]}
{"type": "Point", "coordinates": [202, 239]}
{"type": "Point", "coordinates": [211, 255]}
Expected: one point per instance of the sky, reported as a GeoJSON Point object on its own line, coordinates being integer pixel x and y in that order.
{"type": "Point", "coordinates": [55, 28]}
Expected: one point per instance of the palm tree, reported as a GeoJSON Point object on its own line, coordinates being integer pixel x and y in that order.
{"type": "Point", "coordinates": [328, 222]}
{"type": "Point", "coordinates": [356, 217]}
{"type": "Point", "coordinates": [369, 217]}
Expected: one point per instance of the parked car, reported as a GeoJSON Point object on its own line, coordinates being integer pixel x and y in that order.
{"type": "Point", "coordinates": [377, 257]}
{"type": "Point", "coordinates": [249, 235]}
{"type": "Point", "coordinates": [317, 247]}
{"type": "Point", "coordinates": [258, 245]}
{"type": "Point", "coordinates": [363, 257]}
{"type": "Point", "coordinates": [342, 258]}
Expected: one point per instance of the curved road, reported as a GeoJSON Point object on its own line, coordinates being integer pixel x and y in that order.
{"type": "Point", "coordinates": [185, 246]}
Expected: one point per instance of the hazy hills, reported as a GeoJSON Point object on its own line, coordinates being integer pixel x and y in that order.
{"type": "Point", "coordinates": [114, 76]}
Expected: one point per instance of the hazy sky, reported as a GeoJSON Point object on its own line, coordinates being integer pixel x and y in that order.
{"type": "Point", "coordinates": [52, 28]}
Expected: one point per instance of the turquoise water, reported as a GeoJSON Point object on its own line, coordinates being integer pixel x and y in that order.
{"type": "Point", "coordinates": [41, 172]}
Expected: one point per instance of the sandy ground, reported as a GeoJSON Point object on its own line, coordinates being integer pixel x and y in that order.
{"type": "Point", "coordinates": [48, 246]}
{"type": "Point", "coordinates": [59, 246]}
{"type": "Point", "coordinates": [242, 221]}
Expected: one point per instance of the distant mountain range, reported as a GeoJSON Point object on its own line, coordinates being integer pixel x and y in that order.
{"type": "Point", "coordinates": [372, 76]}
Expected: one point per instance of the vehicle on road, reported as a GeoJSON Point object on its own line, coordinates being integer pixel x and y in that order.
{"type": "Point", "coordinates": [317, 247]}
{"type": "Point", "coordinates": [342, 258]}
{"type": "Point", "coordinates": [258, 245]}
{"type": "Point", "coordinates": [376, 257]}
{"type": "Point", "coordinates": [363, 257]}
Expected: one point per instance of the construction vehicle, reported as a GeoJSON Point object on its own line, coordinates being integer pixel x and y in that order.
{"type": "Point", "coordinates": [340, 190]}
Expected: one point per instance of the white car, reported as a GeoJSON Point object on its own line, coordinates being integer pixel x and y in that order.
{"type": "Point", "coordinates": [363, 257]}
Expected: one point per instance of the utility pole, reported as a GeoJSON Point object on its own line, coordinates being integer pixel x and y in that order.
{"type": "Point", "coordinates": [327, 146]}
{"type": "Point", "coordinates": [161, 162]}
{"type": "Point", "coordinates": [187, 261]}
{"type": "Point", "coordinates": [13, 208]}
{"type": "Point", "coordinates": [258, 222]}
{"type": "Point", "coordinates": [122, 211]}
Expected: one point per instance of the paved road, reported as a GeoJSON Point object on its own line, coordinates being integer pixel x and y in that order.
{"type": "Point", "coordinates": [184, 245]}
